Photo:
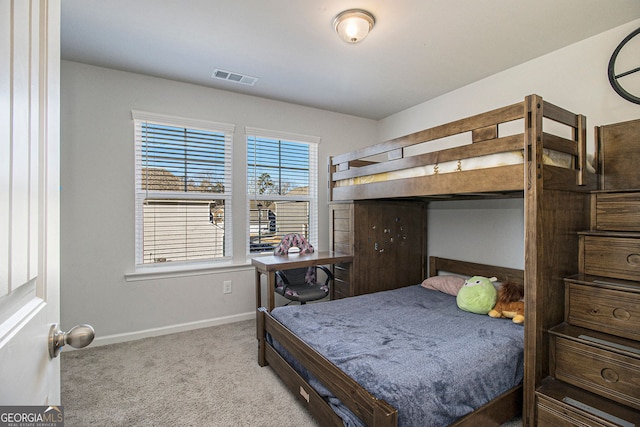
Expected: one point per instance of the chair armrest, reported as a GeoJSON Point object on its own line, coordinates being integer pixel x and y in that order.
{"type": "Point", "coordinates": [282, 277]}
{"type": "Point", "coordinates": [327, 272]}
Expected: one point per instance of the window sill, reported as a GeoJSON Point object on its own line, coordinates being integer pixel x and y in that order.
{"type": "Point", "coordinates": [156, 272]}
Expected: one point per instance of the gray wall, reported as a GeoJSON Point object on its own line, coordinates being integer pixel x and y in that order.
{"type": "Point", "coordinates": [97, 225]}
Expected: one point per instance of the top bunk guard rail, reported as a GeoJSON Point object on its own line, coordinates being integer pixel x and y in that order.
{"type": "Point", "coordinates": [360, 174]}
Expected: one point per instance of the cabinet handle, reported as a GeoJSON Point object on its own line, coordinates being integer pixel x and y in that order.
{"type": "Point", "coordinates": [621, 314]}
{"type": "Point", "coordinates": [609, 375]}
{"type": "Point", "coordinates": [633, 260]}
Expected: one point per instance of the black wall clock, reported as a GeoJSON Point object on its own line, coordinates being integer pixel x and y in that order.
{"type": "Point", "coordinates": [616, 78]}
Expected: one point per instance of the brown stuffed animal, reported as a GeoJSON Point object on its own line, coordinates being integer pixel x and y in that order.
{"type": "Point", "coordinates": [509, 304]}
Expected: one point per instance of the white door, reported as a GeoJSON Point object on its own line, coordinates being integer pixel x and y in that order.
{"type": "Point", "coordinates": [29, 200]}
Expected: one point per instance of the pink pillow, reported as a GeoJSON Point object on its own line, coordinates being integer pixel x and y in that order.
{"type": "Point", "coordinates": [447, 284]}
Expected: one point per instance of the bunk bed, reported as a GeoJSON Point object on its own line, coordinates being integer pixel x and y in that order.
{"type": "Point", "coordinates": [547, 167]}
{"type": "Point", "coordinates": [486, 162]}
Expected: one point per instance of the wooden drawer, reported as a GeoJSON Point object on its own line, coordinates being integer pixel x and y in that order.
{"type": "Point", "coordinates": [342, 271]}
{"type": "Point", "coordinates": [617, 211]}
{"type": "Point", "coordinates": [602, 371]}
{"type": "Point", "coordinates": [342, 281]}
{"type": "Point", "coordinates": [611, 310]}
{"type": "Point", "coordinates": [340, 290]}
{"type": "Point", "coordinates": [559, 404]}
{"type": "Point", "coordinates": [610, 255]}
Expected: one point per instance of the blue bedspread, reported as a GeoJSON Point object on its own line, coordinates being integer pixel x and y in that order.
{"type": "Point", "coordinates": [413, 348]}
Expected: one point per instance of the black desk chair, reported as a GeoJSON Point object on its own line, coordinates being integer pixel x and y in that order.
{"type": "Point", "coordinates": [300, 284]}
{"type": "Point", "coordinates": [295, 284]}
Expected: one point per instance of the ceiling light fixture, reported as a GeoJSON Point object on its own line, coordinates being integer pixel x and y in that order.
{"type": "Point", "coordinates": [353, 25]}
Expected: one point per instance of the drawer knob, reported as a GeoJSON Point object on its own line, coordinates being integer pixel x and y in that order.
{"type": "Point", "coordinates": [633, 260]}
{"type": "Point", "coordinates": [609, 375]}
{"type": "Point", "coordinates": [621, 314]}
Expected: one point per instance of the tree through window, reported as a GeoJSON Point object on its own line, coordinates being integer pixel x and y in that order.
{"type": "Point", "coordinates": [282, 189]}
{"type": "Point", "coordinates": [183, 189]}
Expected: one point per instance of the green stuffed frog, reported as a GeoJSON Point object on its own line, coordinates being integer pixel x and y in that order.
{"type": "Point", "coordinates": [477, 295]}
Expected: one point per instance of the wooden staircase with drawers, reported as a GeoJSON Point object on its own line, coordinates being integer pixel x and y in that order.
{"type": "Point", "coordinates": [595, 353]}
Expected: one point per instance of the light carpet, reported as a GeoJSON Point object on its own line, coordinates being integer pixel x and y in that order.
{"type": "Point", "coordinates": [205, 377]}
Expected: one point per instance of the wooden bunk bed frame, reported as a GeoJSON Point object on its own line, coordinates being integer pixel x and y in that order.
{"type": "Point", "coordinates": [501, 181]}
{"type": "Point", "coordinates": [556, 206]}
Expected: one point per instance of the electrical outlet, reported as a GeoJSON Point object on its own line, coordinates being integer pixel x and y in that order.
{"type": "Point", "coordinates": [226, 286]}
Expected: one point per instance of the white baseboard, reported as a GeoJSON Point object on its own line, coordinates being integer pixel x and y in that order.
{"type": "Point", "coordinates": [165, 330]}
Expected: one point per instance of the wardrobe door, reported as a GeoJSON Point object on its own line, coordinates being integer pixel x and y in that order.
{"type": "Point", "coordinates": [389, 245]}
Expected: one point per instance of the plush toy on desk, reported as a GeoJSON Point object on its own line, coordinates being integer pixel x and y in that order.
{"type": "Point", "coordinates": [510, 304]}
{"type": "Point", "coordinates": [477, 295]}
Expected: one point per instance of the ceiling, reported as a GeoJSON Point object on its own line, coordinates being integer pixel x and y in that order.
{"type": "Point", "coordinates": [418, 49]}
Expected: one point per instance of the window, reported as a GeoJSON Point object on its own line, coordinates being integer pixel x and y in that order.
{"type": "Point", "coordinates": [183, 189]}
{"type": "Point", "coordinates": [282, 182]}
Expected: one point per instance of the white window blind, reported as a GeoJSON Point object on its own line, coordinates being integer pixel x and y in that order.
{"type": "Point", "coordinates": [282, 187]}
{"type": "Point", "coordinates": [183, 189]}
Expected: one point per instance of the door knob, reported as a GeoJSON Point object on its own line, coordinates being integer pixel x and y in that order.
{"type": "Point", "coordinates": [78, 337]}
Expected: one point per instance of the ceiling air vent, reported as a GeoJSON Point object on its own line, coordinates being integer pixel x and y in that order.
{"type": "Point", "coordinates": [234, 77]}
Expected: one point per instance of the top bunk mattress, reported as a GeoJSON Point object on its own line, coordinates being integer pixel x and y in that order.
{"type": "Point", "coordinates": [515, 157]}
{"type": "Point", "coordinates": [412, 347]}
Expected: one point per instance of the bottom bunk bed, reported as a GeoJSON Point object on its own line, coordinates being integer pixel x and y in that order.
{"type": "Point", "coordinates": [404, 357]}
